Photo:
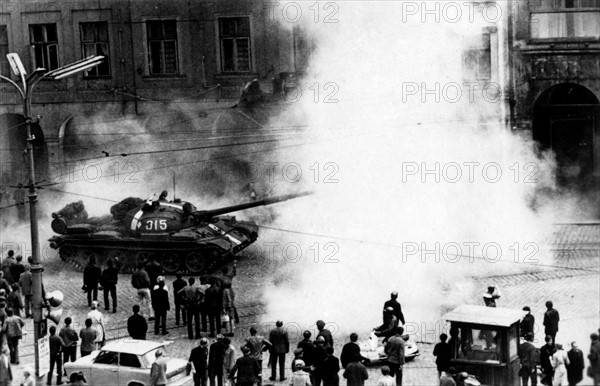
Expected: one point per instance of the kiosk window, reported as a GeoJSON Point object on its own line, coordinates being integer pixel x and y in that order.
{"type": "Point", "coordinates": [479, 345]}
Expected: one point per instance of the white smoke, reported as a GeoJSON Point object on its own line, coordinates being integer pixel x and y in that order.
{"type": "Point", "coordinates": [384, 204]}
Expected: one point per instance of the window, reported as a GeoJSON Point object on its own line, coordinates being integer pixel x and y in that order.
{"type": "Point", "coordinates": [44, 43]}
{"type": "Point", "coordinates": [477, 61]}
{"type": "Point", "coordinates": [566, 19]}
{"type": "Point", "coordinates": [478, 345]}
{"type": "Point", "coordinates": [129, 360]}
{"type": "Point", "coordinates": [94, 41]}
{"type": "Point", "coordinates": [4, 67]}
{"type": "Point", "coordinates": [162, 47]}
{"type": "Point", "coordinates": [107, 358]}
{"type": "Point", "coordinates": [234, 37]}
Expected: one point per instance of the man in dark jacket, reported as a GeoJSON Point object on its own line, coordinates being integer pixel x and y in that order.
{"type": "Point", "coordinates": [199, 358]}
{"type": "Point", "coordinates": [212, 303]}
{"type": "Point", "coordinates": [17, 269]}
{"type": "Point", "coordinates": [576, 365]}
{"type": "Point", "coordinates": [160, 303]}
{"type": "Point", "coordinates": [247, 369]}
{"type": "Point", "coordinates": [154, 270]}
{"type": "Point", "coordinates": [330, 369]}
{"type": "Point", "coordinates": [356, 373]}
{"type": "Point", "coordinates": [527, 323]}
{"type": "Point", "coordinates": [56, 348]}
{"type": "Point", "coordinates": [141, 282]}
{"type": "Point", "coordinates": [70, 338]}
{"type": "Point", "coordinates": [319, 355]}
{"type": "Point", "coordinates": [388, 327]}
{"type": "Point", "coordinates": [395, 306]}
{"type": "Point", "coordinates": [443, 354]}
{"type": "Point", "coordinates": [551, 319]}
{"type": "Point", "coordinates": [527, 356]}
{"type": "Point", "coordinates": [350, 350]}
{"type": "Point", "coordinates": [546, 352]}
{"type": "Point", "coordinates": [91, 277]}
{"type": "Point", "coordinates": [216, 357]}
{"type": "Point", "coordinates": [180, 309]}
{"type": "Point", "coordinates": [192, 297]}
{"type": "Point", "coordinates": [308, 347]}
{"type": "Point", "coordinates": [108, 280]}
{"type": "Point", "coordinates": [395, 349]}
{"type": "Point", "coordinates": [26, 284]}
{"type": "Point", "coordinates": [325, 333]}
{"type": "Point", "coordinates": [281, 346]}
{"type": "Point", "coordinates": [137, 327]}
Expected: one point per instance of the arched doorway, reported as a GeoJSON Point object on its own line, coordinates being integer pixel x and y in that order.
{"type": "Point", "coordinates": [566, 119]}
{"type": "Point", "coordinates": [13, 159]}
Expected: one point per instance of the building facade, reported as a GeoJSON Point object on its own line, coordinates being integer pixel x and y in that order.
{"type": "Point", "coordinates": [556, 82]}
{"type": "Point", "coordinates": [163, 58]}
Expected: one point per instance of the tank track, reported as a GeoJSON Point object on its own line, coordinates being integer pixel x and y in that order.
{"type": "Point", "coordinates": [79, 259]}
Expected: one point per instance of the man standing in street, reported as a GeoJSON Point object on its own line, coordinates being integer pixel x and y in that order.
{"type": "Point", "coordinates": [443, 353]}
{"type": "Point", "coordinates": [141, 282]}
{"type": "Point", "coordinates": [137, 327]}
{"type": "Point", "coordinates": [527, 323]}
{"type": "Point", "coordinates": [247, 369]}
{"type": "Point", "coordinates": [281, 346]}
{"type": "Point", "coordinates": [16, 269]}
{"type": "Point", "coordinates": [160, 303]}
{"type": "Point", "coordinates": [594, 358]}
{"type": "Point", "coordinates": [325, 333]}
{"type": "Point", "coordinates": [13, 329]}
{"type": "Point", "coordinates": [394, 349]}
{"type": "Point", "coordinates": [56, 347]}
{"type": "Point", "coordinates": [393, 302]}
{"type": "Point", "coordinates": [215, 361]}
{"type": "Point", "coordinates": [576, 365]}
{"type": "Point", "coordinates": [308, 348]}
{"type": "Point", "coordinates": [154, 270]}
{"type": "Point", "coordinates": [108, 280]}
{"type": "Point", "coordinates": [212, 302]}
{"type": "Point", "coordinates": [5, 368]}
{"type": "Point", "coordinates": [546, 352]}
{"type": "Point", "coordinates": [203, 309]}
{"type": "Point", "coordinates": [489, 298]}
{"type": "Point", "coordinates": [13, 300]}
{"type": "Point", "coordinates": [199, 358]}
{"type": "Point", "coordinates": [191, 296]}
{"type": "Point", "coordinates": [551, 319]}
{"type": "Point", "coordinates": [7, 265]}
{"type": "Point", "coordinates": [158, 373]}
{"type": "Point", "coordinates": [528, 363]}
{"type": "Point", "coordinates": [70, 338]}
{"type": "Point", "coordinates": [356, 373]}
{"type": "Point", "coordinates": [350, 350]}
{"type": "Point", "coordinates": [180, 309]}
{"type": "Point", "coordinates": [88, 337]}
{"type": "Point", "coordinates": [256, 344]}
{"type": "Point", "coordinates": [91, 277]}
{"type": "Point", "coordinates": [26, 284]}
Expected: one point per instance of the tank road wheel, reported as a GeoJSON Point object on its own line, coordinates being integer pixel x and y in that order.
{"type": "Point", "coordinates": [67, 253]}
{"type": "Point", "coordinates": [123, 256]}
{"type": "Point", "coordinates": [86, 254]}
{"type": "Point", "coordinates": [142, 257]}
{"type": "Point", "coordinates": [169, 261]}
{"type": "Point", "coordinates": [194, 262]}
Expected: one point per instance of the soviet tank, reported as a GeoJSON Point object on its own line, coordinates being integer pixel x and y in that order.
{"type": "Point", "coordinates": [176, 233]}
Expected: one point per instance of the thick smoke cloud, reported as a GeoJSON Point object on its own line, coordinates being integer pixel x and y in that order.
{"type": "Point", "coordinates": [429, 193]}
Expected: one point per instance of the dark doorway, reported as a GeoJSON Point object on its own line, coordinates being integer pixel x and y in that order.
{"type": "Point", "coordinates": [566, 119]}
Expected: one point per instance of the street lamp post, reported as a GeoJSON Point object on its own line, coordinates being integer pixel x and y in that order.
{"type": "Point", "coordinates": [28, 83]}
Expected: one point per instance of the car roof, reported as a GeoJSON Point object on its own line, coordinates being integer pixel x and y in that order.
{"type": "Point", "coordinates": [132, 346]}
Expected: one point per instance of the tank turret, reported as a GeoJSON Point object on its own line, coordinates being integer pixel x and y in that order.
{"type": "Point", "coordinates": [181, 237]}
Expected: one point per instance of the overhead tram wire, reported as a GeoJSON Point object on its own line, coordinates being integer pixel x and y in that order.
{"type": "Point", "coordinates": [400, 247]}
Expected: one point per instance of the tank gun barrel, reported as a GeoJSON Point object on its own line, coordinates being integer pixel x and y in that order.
{"type": "Point", "coordinates": [204, 215]}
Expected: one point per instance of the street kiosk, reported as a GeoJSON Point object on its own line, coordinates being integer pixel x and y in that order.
{"type": "Point", "coordinates": [484, 343]}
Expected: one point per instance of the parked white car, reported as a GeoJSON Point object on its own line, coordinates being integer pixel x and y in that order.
{"type": "Point", "coordinates": [373, 349]}
{"type": "Point", "coordinates": [127, 363]}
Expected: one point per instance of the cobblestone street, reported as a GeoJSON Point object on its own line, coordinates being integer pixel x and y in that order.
{"type": "Point", "coordinates": [574, 289]}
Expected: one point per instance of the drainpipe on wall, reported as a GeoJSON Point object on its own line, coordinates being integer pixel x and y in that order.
{"type": "Point", "coordinates": [511, 77]}
{"type": "Point", "coordinates": [133, 73]}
